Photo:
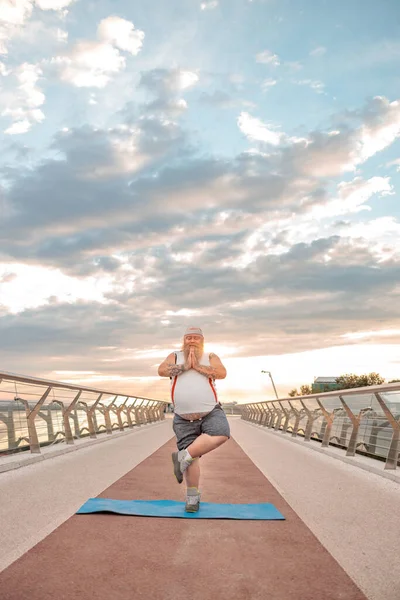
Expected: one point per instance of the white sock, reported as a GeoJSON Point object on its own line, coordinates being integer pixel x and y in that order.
{"type": "Point", "coordinates": [187, 456]}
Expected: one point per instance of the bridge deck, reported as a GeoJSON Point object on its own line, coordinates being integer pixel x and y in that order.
{"type": "Point", "coordinates": [110, 557]}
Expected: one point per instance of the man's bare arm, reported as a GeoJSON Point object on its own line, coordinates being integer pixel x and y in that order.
{"type": "Point", "coordinates": [216, 370]}
{"type": "Point", "coordinates": [168, 368]}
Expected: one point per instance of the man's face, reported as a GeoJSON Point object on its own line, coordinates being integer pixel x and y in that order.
{"type": "Point", "coordinates": [193, 340]}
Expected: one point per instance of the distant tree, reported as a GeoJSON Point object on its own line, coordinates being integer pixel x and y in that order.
{"type": "Point", "coordinates": [394, 381]}
{"type": "Point", "coordinates": [350, 380]}
{"type": "Point", "coordinates": [305, 390]}
{"type": "Point", "coordinates": [344, 382]}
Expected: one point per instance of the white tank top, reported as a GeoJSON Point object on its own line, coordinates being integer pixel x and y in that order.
{"type": "Point", "coordinates": [192, 392]}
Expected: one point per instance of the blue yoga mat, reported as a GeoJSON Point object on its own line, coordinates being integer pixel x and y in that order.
{"type": "Point", "coordinates": [171, 508]}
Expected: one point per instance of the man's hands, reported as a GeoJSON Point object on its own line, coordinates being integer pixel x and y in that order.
{"type": "Point", "coordinates": [190, 363]}
{"type": "Point", "coordinates": [194, 359]}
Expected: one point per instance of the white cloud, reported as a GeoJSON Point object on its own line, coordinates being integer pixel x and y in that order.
{"type": "Point", "coordinates": [167, 82]}
{"type": "Point", "coordinates": [267, 83]}
{"type": "Point", "coordinates": [294, 65]}
{"type": "Point", "coordinates": [209, 5]}
{"type": "Point", "coordinates": [23, 104]}
{"type": "Point", "coordinates": [255, 129]}
{"type": "Point", "coordinates": [392, 163]}
{"type": "Point", "coordinates": [3, 70]}
{"type": "Point", "coordinates": [187, 79]}
{"type": "Point", "coordinates": [317, 86]}
{"type": "Point", "coordinates": [338, 151]}
{"type": "Point", "coordinates": [93, 63]}
{"type": "Point", "coordinates": [368, 334]}
{"type": "Point", "coordinates": [61, 35]}
{"type": "Point", "coordinates": [167, 85]}
{"type": "Point", "coordinates": [12, 16]}
{"type": "Point", "coordinates": [380, 235]}
{"type": "Point", "coordinates": [121, 33]}
{"type": "Point", "coordinates": [125, 155]}
{"type": "Point", "coordinates": [15, 13]}
{"type": "Point", "coordinates": [380, 130]}
{"type": "Point", "coordinates": [53, 4]}
{"type": "Point", "coordinates": [268, 58]}
{"type": "Point", "coordinates": [90, 64]}
{"type": "Point", "coordinates": [318, 51]}
{"type": "Point", "coordinates": [353, 196]}
{"type": "Point", "coordinates": [18, 127]}
{"type": "Point", "coordinates": [34, 286]}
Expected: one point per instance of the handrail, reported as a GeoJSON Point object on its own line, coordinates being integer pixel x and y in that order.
{"type": "Point", "coordinates": [376, 419]}
{"type": "Point", "coordinates": [384, 387]}
{"type": "Point", "coordinates": [132, 411]}
{"type": "Point", "coordinates": [7, 376]}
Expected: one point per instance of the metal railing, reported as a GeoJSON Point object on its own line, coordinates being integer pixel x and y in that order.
{"type": "Point", "coordinates": [363, 420]}
{"type": "Point", "coordinates": [37, 412]}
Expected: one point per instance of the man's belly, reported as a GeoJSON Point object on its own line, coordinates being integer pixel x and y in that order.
{"type": "Point", "coordinates": [187, 406]}
{"type": "Point", "coordinates": [193, 396]}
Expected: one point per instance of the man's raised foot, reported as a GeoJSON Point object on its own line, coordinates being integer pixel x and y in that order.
{"type": "Point", "coordinates": [181, 461]}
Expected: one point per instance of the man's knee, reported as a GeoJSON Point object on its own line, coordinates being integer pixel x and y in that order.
{"type": "Point", "coordinates": [221, 439]}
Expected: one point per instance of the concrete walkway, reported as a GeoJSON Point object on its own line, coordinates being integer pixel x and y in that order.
{"type": "Point", "coordinates": [103, 557]}
{"type": "Point", "coordinates": [35, 499]}
{"type": "Point", "coordinates": [354, 513]}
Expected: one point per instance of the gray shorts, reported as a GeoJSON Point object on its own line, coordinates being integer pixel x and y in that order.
{"type": "Point", "coordinates": [215, 423]}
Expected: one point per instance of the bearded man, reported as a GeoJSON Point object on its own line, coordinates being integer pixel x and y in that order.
{"type": "Point", "coordinates": [200, 424]}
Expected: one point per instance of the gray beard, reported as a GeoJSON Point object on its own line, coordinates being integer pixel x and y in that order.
{"type": "Point", "coordinates": [197, 351]}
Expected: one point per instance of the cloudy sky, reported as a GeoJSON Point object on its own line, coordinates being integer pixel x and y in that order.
{"type": "Point", "coordinates": [229, 164]}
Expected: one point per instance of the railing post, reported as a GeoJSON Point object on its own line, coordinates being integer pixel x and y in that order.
{"type": "Point", "coordinates": [152, 416]}
{"type": "Point", "coordinates": [287, 419]}
{"type": "Point", "coordinates": [280, 416]}
{"type": "Point", "coordinates": [73, 415]}
{"type": "Point", "coordinates": [274, 413]}
{"type": "Point", "coordinates": [127, 412]}
{"type": "Point", "coordinates": [132, 410]}
{"type": "Point", "coordinates": [251, 413]}
{"type": "Point", "coordinates": [138, 414]}
{"type": "Point", "coordinates": [351, 449]}
{"type": "Point", "coordinates": [329, 416]}
{"type": "Point", "coordinates": [119, 409]}
{"type": "Point", "coordinates": [159, 411]}
{"type": "Point", "coordinates": [31, 416]}
{"type": "Point", "coordinates": [69, 438]}
{"type": "Point", "coordinates": [312, 416]}
{"type": "Point", "coordinates": [9, 423]}
{"type": "Point", "coordinates": [258, 414]}
{"type": "Point", "coordinates": [146, 414]}
{"type": "Point", "coordinates": [91, 416]}
{"type": "Point", "coordinates": [296, 421]}
{"type": "Point", "coordinates": [47, 417]}
{"type": "Point", "coordinates": [264, 415]}
{"type": "Point", "coordinates": [393, 454]}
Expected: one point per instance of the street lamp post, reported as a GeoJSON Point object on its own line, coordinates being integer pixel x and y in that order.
{"type": "Point", "coordinates": [273, 384]}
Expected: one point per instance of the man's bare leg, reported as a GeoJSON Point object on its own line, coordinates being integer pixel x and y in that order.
{"type": "Point", "coordinates": [205, 443]}
{"type": "Point", "coordinates": [192, 475]}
